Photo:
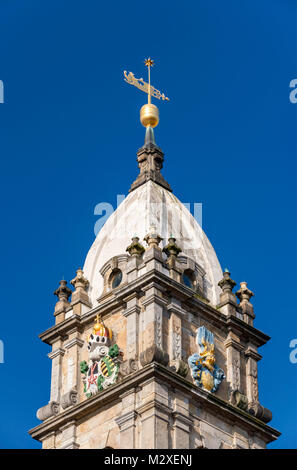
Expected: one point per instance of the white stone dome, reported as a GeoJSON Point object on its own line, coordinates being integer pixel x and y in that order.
{"type": "Point", "coordinates": [152, 205]}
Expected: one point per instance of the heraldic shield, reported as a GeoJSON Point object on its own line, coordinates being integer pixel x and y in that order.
{"type": "Point", "coordinates": [102, 369]}
{"type": "Point", "coordinates": [205, 372]}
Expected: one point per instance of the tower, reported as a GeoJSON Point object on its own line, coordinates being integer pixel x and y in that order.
{"type": "Point", "coordinates": [151, 348]}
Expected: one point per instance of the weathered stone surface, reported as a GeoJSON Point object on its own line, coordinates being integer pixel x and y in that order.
{"type": "Point", "coordinates": [182, 369]}
{"type": "Point", "coordinates": [148, 205]}
{"type": "Point", "coordinates": [47, 411]}
{"type": "Point", "coordinates": [128, 367]}
{"type": "Point", "coordinates": [154, 354]}
{"type": "Point", "coordinates": [150, 161]}
{"type": "Point", "coordinates": [260, 412]}
{"type": "Point", "coordinates": [69, 399]}
{"type": "Point", "coordinates": [238, 399]}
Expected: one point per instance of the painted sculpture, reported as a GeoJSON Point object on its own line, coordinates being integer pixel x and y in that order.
{"type": "Point", "coordinates": [103, 368]}
{"type": "Point", "coordinates": [204, 370]}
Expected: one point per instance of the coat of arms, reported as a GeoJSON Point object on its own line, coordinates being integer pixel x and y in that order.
{"type": "Point", "coordinates": [102, 369]}
{"type": "Point", "coordinates": [203, 366]}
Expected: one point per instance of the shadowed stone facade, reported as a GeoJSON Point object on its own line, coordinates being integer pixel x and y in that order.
{"type": "Point", "coordinates": [170, 285]}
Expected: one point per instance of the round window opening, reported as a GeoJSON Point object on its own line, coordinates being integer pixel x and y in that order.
{"type": "Point", "coordinates": [116, 279]}
{"type": "Point", "coordinates": [188, 280]}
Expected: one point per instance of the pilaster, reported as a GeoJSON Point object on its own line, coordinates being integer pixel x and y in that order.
{"type": "Point", "coordinates": [68, 439]}
{"type": "Point", "coordinates": [132, 314]}
{"type": "Point", "coordinates": [127, 420]}
{"type": "Point", "coordinates": [154, 414]}
{"type": "Point", "coordinates": [233, 351]}
{"type": "Point", "coordinates": [182, 423]}
{"type": "Point", "coordinates": [56, 379]}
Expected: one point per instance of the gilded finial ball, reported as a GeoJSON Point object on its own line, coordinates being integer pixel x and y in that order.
{"type": "Point", "coordinates": [149, 115]}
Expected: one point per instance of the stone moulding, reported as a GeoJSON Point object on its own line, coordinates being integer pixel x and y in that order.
{"type": "Point", "coordinates": [128, 367]}
{"type": "Point", "coordinates": [210, 313]}
{"type": "Point", "coordinates": [182, 368]}
{"type": "Point", "coordinates": [154, 354]}
{"type": "Point", "coordinates": [260, 412]}
{"type": "Point", "coordinates": [69, 399]}
{"type": "Point", "coordinates": [255, 409]}
{"type": "Point", "coordinates": [47, 411]}
{"type": "Point", "coordinates": [156, 371]}
{"type": "Point", "coordinates": [238, 399]}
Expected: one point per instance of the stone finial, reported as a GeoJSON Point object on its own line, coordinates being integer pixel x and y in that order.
{"type": "Point", "coordinates": [227, 284]}
{"type": "Point", "coordinates": [63, 292]}
{"type": "Point", "coordinates": [80, 282]}
{"type": "Point", "coordinates": [244, 294]}
{"type": "Point", "coordinates": [80, 295]}
{"type": "Point", "coordinates": [136, 248]}
{"type": "Point", "coordinates": [152, 238]}
{"type": "Point", "coordinates": [171, 249]}
{"type": "Point", "coordinates": [228, 301]}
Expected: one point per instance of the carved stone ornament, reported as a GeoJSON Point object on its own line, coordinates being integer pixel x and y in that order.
{"type": "Point", "coordinates": [171, 249]}
{"type": "Point", "coordinates": [63, 292]}
{"type": "Point", "coordinates": [154, 354]}
{"type": "Point", "coordinates": [69, 399]}
{"type": "Point", "coordinates": [128, 367]}
{"type": "Point", "coordinates": [103, 367]}
{"type": "Point", "coordinates": [182, 368]}
{"type": "Point", "coordinates": [47, 411]}
{"type": "Point", "coordinates": [152, 238]}
{"type": "Point", "coordinates": [205, 372]}
{"type": "Point", "coordinates": [136, 248]}
{"type": "Point", "coordinates": [239, 400]}
{"type": "Point", "coordinates": [260, 412]}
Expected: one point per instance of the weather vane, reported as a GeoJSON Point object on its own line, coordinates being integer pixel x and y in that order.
{"type": "Point", "coordinates": [149, 113]}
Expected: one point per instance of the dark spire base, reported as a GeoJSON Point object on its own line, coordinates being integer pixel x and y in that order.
{"type": "Point", "coordinates": [150, 161]}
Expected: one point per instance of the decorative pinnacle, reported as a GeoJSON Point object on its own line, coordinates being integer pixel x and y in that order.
{"type": "Point", "coordinates": [63, 292]}
{"type": "Point", "coordinates": [227, 284]}
{"type": "Point", "coordinates": [152, 238]}
{"type": "Point", "coordinates": [80, 281]}
{"type": "Point", "coordinates": [244, 294]}
{"type": "Point", "coordinates": [171, 249]}
{"type": "Point", "coordinates": [135, 249]}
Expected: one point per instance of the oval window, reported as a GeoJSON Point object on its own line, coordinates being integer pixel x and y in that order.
{"type": "Point", "coordinates": [188, 280]}
{"type": "Point", "coordinates": [116, 279]}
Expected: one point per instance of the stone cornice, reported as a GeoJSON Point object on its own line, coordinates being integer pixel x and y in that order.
{"type": "Point", "coordinates": [111, 395]}
{"type": "Point", "coordinates": [161, 282]}
{"type": "Point", "coordinates": [253, 354]}
{"type": "Point", "coordinates": [230, 342]}
{"type": "Point", "coordinates": [173, 308]}
{"type": "Point", "coordinates": [57, 352]}
{"type": "Point", "coordinates": [74, 342]}
{"type": "Point", "coordinates": [61, 330]}
{"type": "Point", "coordinates": [128, 419]}
{"type": "Point", "coordinates": [179, 417]}
{"type": "Point", "coordinates": [153, 405]}
{"type": "Point", "coordinates": [133, 309]}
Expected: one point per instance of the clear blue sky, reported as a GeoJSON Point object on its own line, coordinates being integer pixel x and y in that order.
{"type": "Point", "coordinates": [69, 133]}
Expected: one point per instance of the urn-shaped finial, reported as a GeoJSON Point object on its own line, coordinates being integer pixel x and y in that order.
{"type": "Point", "coordinates": [135, 248]}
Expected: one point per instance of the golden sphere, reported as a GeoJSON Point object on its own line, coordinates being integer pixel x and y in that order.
{"type": "Point", "coordinates": [149, 115]}
{"type": "Point", "coordinates": [97, 326]}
